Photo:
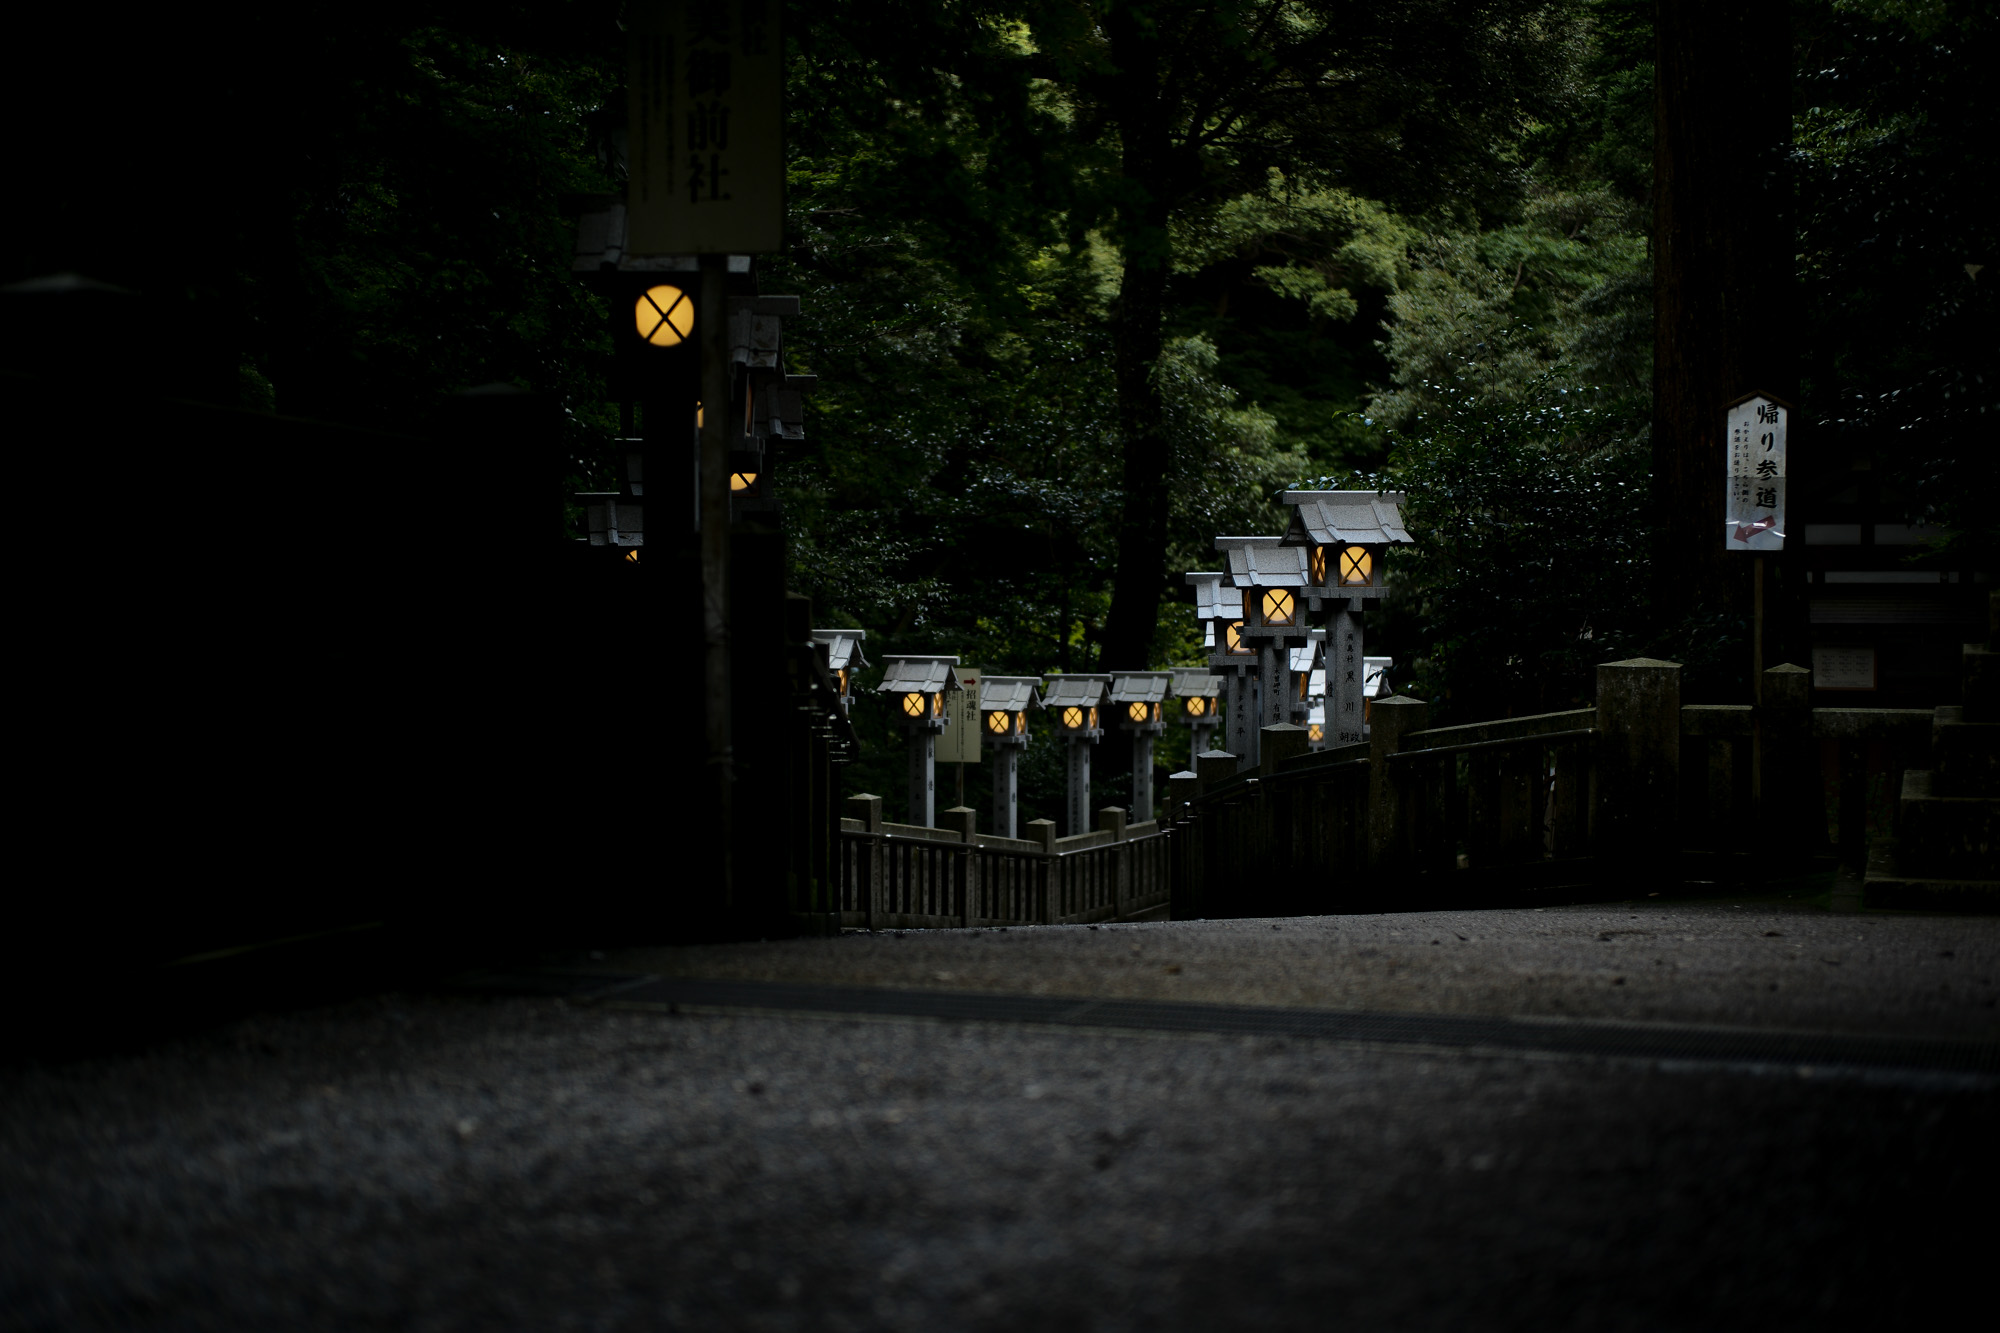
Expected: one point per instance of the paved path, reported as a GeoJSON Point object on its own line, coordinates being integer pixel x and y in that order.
{"type": "Point", "coordinates": [452, 1162]}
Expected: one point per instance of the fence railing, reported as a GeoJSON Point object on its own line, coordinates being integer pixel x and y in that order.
{"type": "Point", "coordinates": [901, 876]}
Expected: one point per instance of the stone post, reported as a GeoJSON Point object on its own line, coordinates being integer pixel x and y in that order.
{"type": "Point", "coordinates": [923, 778]}
{"type": "Point", "coordinates": [1395, 718]}
{"type": "Point", "coordinates": [962, 820]}
{"type": "Point", "coordinates": [1344, 671]}
{"type": "Point", "coordinates": [1043, 832]}
{"type": "Point", "coordinates": [1242, 716]}
{"type": "Point", "coordinates": [1791, 806]}
{"type": "Point", "coordinates": [1006, 789]}
{"type": "Point", "coordinates": [1112, 820]}
{"type": "Point", "coordinates": [1635, 791]}
{"type": "Point", "coordinates": [1076, 812]}
{"type": "Point", "coordinates": [1280, 743]}
{"type": "Point", "coordinates": [1274, 679]}
{"type": "Point", "coordinates": [866, 807]}
{"type": "Point", "coordinates": [1182, 788]}
{"type": "Point", "coordinates": [1142, 776]}
{"type": "Point", "coordinates": [1213, 767]}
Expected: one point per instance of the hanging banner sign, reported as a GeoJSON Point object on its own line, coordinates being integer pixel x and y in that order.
{"type": "Point", "coordinates": [705, 152]}
{"type": "Point", "coordinates": [960, 742]}
{"type": "Point", "coordinates": [1754, 501]}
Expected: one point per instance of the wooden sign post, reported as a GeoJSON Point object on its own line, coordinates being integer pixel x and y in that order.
{"type": "Point", "coordinates": [1754, 499]}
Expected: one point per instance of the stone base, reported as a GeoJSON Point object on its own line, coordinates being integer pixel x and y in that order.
{"type": "Point", "coordinates": [1886, 886]}
{"type": "Point", "coordinates": [1947, 837]}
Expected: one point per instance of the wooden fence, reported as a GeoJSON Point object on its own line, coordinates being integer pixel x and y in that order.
{"type": "Point", "coordinates": [1637, 791]}
{"type": "Point", "coordinates": [900, 876]}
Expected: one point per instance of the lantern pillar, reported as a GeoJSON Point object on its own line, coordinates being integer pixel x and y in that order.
{"type": "Point", "coordinates": [1273, 683]}
{"type": "Point", "coordinates": [1077, 764]}
{"type": "Point", "coordinates": [1006, 789]}
{"type": "Point", "coordinates": [1243, 717]}
{"type": "Point", "coordinates": [1142, 776]}
{"type": "Point", "coordinates": [923, 777]}
{"type": "Point", "coordinates": [1344, 673]}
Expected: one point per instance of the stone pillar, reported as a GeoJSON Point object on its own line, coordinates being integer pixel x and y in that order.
{"type": "Point", "coordinates": [1076, 816]}
{"type": "Point", "coordinates": [1281, 742]}
{"type": "Point", "coordinates": [1635, 790]}
{"type": "Point", "coordinates": [1142, 776]}
{"type": "Point", "coordinates": [1791, 804]}
{"type": "Point", "coordinates": [1242, 714]}
{"type": "Point", "coordinates": [1274, 679]}
{"type": "Point", "coordinates": [1344, 672]}
{"type": "Point", "coordinates": [1006, 788]}
{"type": "Point", "coordinates": [1395, 718]}
{"type": "Point", "coordinates": [1215, 766]}
{"type": "Point", "coordinates": [1182, 787]}
{"type": "Point", "coordinates": [923, 778]}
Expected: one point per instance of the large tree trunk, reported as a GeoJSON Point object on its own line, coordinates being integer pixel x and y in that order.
{"type": "Point", "coordinates": [1722, 279]}
{"type": "Point", "coordinates": [1139, 574]}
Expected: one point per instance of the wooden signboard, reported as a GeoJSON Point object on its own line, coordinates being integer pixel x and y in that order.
{"type": "Point", "coordinates": [960, 742]}
{"type": "Point", "coordinates": [705, 152]}
{"type": "Point", "coordinates": [1755, 486]}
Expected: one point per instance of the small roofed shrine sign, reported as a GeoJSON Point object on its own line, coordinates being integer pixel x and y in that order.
{"type": "Point", "coordinates": [705, 147]}
{"type": "Point", "coordinates": [1754, 501]}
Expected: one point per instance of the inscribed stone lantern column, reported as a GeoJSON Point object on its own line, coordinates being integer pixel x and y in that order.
{"type": "Point", "coordinates": [1073, 702]}
{"type": "Point", "coordinates": [1004, 702]}
{"type": "Point", "coordinates": [843, 655]}
{"type": "Point", "coordinates": [1342, 536]}
{"type": "Point", "coordinates": [1270, 577]}
{"type": "Point", "coordinates": [1231, 657]}
{"type": "Point", "coordinates": [1138, 702]}
{"type": "Point", "coordinates": [1198, 694]}
{"type": "Point", "coordinates": [916, 687]}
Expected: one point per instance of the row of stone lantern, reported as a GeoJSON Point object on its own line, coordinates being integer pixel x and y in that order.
{"type": "Point", "coordinates": [1078, 705]}
{"type": "Point", "coordinates": [1290, 606]}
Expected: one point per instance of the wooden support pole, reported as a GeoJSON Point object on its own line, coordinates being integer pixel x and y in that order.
{"type": "Point", "coordinates": [711, 332]}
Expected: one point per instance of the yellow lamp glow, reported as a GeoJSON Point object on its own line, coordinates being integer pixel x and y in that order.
{"type": "Point", "coordinates": [1197, 707]}
{"type": "Point", "coordinates": [997, 723]}
{"type": "Point", "coordinates": [937, 704]}
{"type": "Point", "coordinates": [1278, 607]}
{"type": "Point", "coordinates": [913, 705]}
{"type": "Point", "coordinates": [1072, 718]}
{"type": "Point", "coordinates": [742, 481]}
{"type": "Point", "coordinates": [1357, 567]}
{"type": "Point", "coordinates": [664, 316]}
{"type": "Point", "coordinates": [1319, 564]}
{"type": "Point", "coordinates": [1093, 717]}
{"type": "Point", "coordinates": [1234, 636]}
{"type": "Point", "coordinates": [1137, 712]}
{"type": "Point", "coordinates": [1021, 723]}
{"type": "Point", "coordinates": [1315, 733]}
{"type": "Point", "coordinates": [631, 557]}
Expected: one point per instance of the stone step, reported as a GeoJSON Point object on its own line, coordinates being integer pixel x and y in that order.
{"type": "Point", "coordinates": [1981, 679]}
{"type": "Point", "coordinates": [1886, 886]}
{"type": "Point", "coordinates": [1947, 836]}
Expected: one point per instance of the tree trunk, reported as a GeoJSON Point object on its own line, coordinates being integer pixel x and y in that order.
{"type": "Point", "coordinates": [1722, 284]}
{"type": "Point", "coordinates": [1139, 575]}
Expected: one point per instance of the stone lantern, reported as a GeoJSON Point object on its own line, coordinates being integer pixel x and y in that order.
{"type": "Point", "coordinates": [916, 687]}
{"type": "Point", "coordinates": [843, 655]}
{"type": "Point", "coordinates": [1138, 704]}
{"type": "Point", "coordinates": [1197, 698]}
{"type": "Point", "coordinates": [1074, 704]}
{"type": "Point", "coordinates": [1342, 537]}
{"type": "Point", "coordinates": [1231, 657]}
{"type": "Point", "coordinates": [1004, 702]}
{"type": "Point", "coordinates": [1270, 579]}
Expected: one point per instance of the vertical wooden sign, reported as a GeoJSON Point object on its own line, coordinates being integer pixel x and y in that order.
{"type": "Point", "coordinates": [1754, 504]}
{"type": "Point", "coordinates": [960, 742]}
{"type": "Point", "coordinates": [705, 151]}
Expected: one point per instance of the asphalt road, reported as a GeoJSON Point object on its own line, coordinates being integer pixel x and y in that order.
{"type": "Point", "coordinates": [431, 1161]}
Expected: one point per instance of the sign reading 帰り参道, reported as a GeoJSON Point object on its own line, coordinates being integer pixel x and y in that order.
{"type": "Point", "coordinates": [705, 148]}
{"type": "Point", "coordinates": [1754, 501]}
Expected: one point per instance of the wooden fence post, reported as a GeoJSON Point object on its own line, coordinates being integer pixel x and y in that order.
{"type": "Point", "coordinates": [1791, 804]}
{"type": "Point", "coordinates": [1111, 820]}
{"type": "Point", "coordinates": [867, 809]}
{"type": "Point", "coordinates": [1043, 831]}
{"type": "Point", "coordinates": [1280, 742]}
{"type": "Point", "coordinates": [1389, 721]}
{"type": "Point", "coordinates": [964, 821]}
{"type": "Point", "coordinates": [1635, 796]}
{"type": "Point", "coordinates": [1182, 788]}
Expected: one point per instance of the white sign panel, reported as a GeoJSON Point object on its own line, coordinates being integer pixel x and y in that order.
{"type": "Point", "coordinates": [1843, 668]}
{"type": "Point", "coordinates": [960, 742]}
{"type": "Point", "coordinates": [705, 149]}
{"type": "Point", "coordinates": [1754, 504]}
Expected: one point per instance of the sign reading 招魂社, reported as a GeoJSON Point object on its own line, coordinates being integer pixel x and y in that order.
{"type": "Point", "coordinates": [705, 151]}
{"type": "Point", "coordinates": [1754, 503]}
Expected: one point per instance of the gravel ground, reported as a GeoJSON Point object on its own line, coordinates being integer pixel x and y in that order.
{"type": "Point", "coordinates": [418, 1162]}
{"type": "Point", "coordinates": [1757, 965]}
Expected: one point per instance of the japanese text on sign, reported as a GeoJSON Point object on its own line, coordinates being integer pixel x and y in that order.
{"type": "Point", "coordinates": [1754, 499]}
{"type": "Point", "coordinates": [705, 149]}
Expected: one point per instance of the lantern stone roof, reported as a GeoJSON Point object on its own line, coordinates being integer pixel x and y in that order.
{"type": "Point", "coordinates": [1345, 518]}
{"type": "Point", "coordinates": [1196, 683]}
{"type": "Point", "coordinates": [1009, 694]}
{"type": "Point", "coordinates": [1140, 687]}
{"type": "Point", "coordinates": [1374, 676]}
{"type": "Point", "coordinates": [1209, 603]}
{"type": "Point", "coordinates": [843, 647]}
{"type": "Point", "coordinates": [1263, 562]}
{"type": "Point", "coordinates": [1316, 684]}
{"type": "Point", "coordinates": [1305, 656]}
{"type": "Point", "coordinates": [907, 674]}
{"type": "Point", "coordinates": [1080, 691]}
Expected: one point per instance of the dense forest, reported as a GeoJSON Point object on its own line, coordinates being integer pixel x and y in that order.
{"type": "Point", "coordinates": [1086, 283]}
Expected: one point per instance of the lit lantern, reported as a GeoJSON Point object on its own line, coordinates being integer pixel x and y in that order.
{"type": "Point", "coordinates": [1138, 696]}
{"type": "Point", "coordinates": [1074, 701]}
{"type": "Point", "coordinates": [1348, 533]}
{"type": "Point", "coordinates": [842, 648]}
{"type": "Point", "coordinates": [1357, 567]}
{"type": "Point", "coordinates": [664, 315]}
{"type": "Point", "coordinates": [1271, 581]}
{"type": "Point", "coordinates": [1005, 701]}
{"type": "Point", "coordinates": [918, 685]}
